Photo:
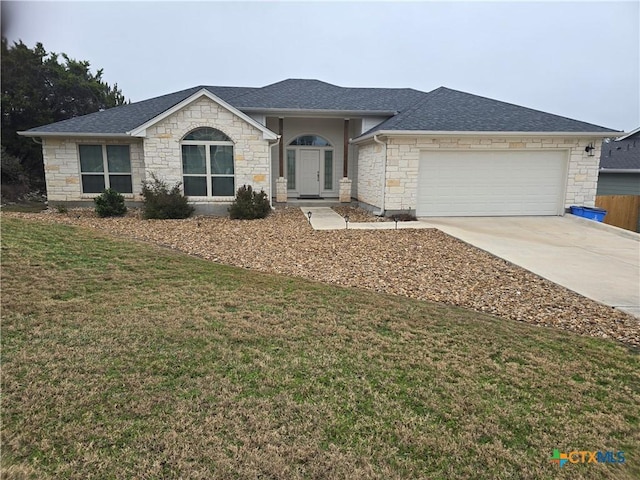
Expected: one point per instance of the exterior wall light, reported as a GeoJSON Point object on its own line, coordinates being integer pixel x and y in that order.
{"type": "Point", "coordinates": [590, 149]}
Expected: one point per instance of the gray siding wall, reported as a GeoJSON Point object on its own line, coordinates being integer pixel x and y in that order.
{"type": "Point", "coordinates": [618, 184]}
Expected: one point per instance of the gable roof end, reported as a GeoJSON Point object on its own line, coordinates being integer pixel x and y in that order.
{"type": "Point", "coordinates": [116, 121]}
{"type": "Point", "coordinates": [140, 131]}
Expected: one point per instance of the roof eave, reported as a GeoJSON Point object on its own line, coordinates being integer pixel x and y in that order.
{"type": "Point", "coordinates": [619, 170]}
{"type": "Point", "coordinates": [442, 133]}
{"type": "Point", "coordinates": [628, 134]}
{"type": "Point", "coordinates": [319, 112]}
{"type": "Point", "coordinates": [36, 134]}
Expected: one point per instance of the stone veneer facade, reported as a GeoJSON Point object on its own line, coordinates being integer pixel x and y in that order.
{"type": "Point", "coordinates": [160, 153]}
{"type": "Point", "coordinates": [403, 155]}
{"type": "Point", "coordinates": [370, 166]}
{"type": "Point", "coordinates": [62, 167]}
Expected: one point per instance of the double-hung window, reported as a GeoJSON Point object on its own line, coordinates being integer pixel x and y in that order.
{"type": "Point", "coordinates": [105, 166]}
{"type": "Point", "coordinates": [207, 164]}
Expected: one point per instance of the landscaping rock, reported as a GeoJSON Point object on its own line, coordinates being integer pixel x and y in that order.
{"type": "Point", "coordinates": [420, 264]}
{"type": "Point", "coordinates": [358, 215]}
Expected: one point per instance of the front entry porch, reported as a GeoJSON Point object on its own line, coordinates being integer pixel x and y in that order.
{"type": "Point", "coordinates": [310, 161]}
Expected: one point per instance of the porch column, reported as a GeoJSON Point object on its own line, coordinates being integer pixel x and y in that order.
{"type": "Point", "coordinates": [345, 163]}
{"type": "Point", "coordinates": [281, 181]}
{"type": "Point", "coordinates": [345, 181]}
{"type": "Point", "coordinates": [281, 148]}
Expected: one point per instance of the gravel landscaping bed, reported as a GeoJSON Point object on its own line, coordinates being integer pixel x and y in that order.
{"type": "Point", "coordinates": [358, 215]}
{"type": "Point", "coordinates": [421, 264]}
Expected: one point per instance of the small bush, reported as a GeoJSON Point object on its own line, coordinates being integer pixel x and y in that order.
{"type": "Point", "coordinates": [162, 202]}
{"type": "Point", "coordinates": [61, 208]}
{"type": "Point", "coordinates": [110, 204]}
{"type": "Point", "coordinates": [249, 204]}
{"type": "Point", "coordinates": [404, 217]}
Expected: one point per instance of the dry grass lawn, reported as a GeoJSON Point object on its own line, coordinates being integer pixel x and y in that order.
{"type": "Point", "coordinates": [125, 360]}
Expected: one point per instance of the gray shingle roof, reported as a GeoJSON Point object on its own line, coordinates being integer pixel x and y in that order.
{"type": "Point", "coordinates": [621, 154]}
{"type": "Point", "coordinates": [122, 119]}
{"type": "Point", "coordinates": [451, 110]}
{"type": "Point", "coordinates": [302, 94]}
{"type": "Point", "coordinates": [440, 110]}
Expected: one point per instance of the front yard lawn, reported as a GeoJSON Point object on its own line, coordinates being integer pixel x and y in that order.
{"type": "Point", "coordinates": [125, 360]}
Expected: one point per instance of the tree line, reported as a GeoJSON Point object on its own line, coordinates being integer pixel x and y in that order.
{"type": "Point", "coordinates": [40, 87]}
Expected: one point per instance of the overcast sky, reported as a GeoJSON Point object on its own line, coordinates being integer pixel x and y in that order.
{"type": "Point", "coordinates": [578, 59]}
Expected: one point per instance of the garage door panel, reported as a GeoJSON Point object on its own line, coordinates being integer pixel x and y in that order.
{"type": "Point", "coordinates": [468, 183]}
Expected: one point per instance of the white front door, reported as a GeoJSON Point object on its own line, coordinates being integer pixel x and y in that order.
{"type": "Point", "coordinates": [309, 168]}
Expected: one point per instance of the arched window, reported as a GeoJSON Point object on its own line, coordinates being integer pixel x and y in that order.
{"type": "Point", "coordinates": [207, 164]}
{"type": "Point", "coordinates": [207, 134]}
{"type": "Point", "coordinates": [310, 141]}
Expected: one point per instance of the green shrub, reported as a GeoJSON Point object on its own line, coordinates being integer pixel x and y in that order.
{"type": "Point", "coordinates": [110, 203]}
{"type": "Point", "coordinates": [61, 208]}
{"type": "Point", "coordinates": [249, 204]}
{"type": "Point", "coordinates": [163, 202]}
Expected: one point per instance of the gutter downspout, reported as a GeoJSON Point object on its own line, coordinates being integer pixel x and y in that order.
{"type": "Point", "coordinates": [270, 169]}
{"type": "Point", "coordinates": [384, 176]}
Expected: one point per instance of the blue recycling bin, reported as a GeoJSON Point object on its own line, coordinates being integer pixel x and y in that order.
{"type": "Point", "coordinates": [591, 213]}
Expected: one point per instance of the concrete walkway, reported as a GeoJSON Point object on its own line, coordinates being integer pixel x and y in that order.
{"type": "Point", "coordinates": [325, 218]}
{"type": "Point", "coordinates": [595, 260]}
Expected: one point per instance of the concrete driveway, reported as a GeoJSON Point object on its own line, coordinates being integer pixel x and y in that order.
{"type": "Point", "coordinates": [594, 260]}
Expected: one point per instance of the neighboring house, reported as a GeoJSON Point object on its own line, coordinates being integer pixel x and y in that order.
{"type": "Point", "coordinates": [619, 181]}
{"type": "Point", "coordinates": [441, 153]}
{"type": "Point", "coordinates": [620, 166]}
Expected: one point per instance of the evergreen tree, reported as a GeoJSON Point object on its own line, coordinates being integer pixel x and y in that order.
{"type": "Point", "coordinates": [37, 89]}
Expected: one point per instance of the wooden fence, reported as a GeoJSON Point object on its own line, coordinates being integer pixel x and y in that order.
{"type": "Point", "coordinates": [622, 210]}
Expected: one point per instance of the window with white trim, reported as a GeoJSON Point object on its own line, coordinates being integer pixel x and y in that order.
{"type": "Point", "coordinates": [105, 166]}
{"type": "Point", "coordinates": [207, 164]}
{"type": "Point", "coordinates": [310, 141]}
{"type": "Point", "coordinates": [291, 169]}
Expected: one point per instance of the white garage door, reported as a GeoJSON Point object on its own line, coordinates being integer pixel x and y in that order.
{"type": "Point", "coordinates": [468, 183]}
